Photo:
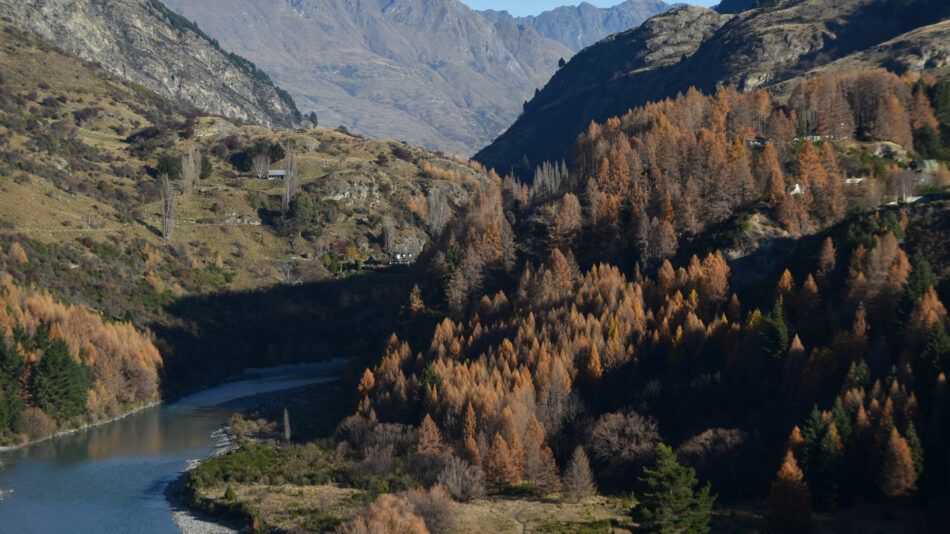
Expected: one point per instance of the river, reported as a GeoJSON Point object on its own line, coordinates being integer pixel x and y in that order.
{"type": "Point", "coordinates": [112, 478]}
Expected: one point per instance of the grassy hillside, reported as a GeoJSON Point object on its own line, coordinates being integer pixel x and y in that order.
{"type": "Point", "coordinates": [81, 156]}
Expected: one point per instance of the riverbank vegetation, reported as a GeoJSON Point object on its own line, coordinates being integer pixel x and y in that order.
{"type": "Point", "coordinates": [63, 366]}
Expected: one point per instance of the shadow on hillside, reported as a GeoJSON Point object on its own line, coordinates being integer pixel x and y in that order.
{"type": "Point", "coordinates": [217, 336]}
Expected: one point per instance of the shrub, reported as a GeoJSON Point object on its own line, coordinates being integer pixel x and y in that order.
{"type": "Point", "coordinates": [464, 482]}
{"type": "Point", "coordinates": [402, 153]}
{"type": "Point", "coordinates": [435, 507]}
{"type": "Point", "coordinates": [622, 443]}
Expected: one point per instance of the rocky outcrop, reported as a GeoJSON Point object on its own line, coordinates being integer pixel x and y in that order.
{"type": "Point", "coordinates": [577, 27]}
{"type": "Point", "coordinates": [143, 42]}
{"type": "Point", "coordinates": [767, 47]}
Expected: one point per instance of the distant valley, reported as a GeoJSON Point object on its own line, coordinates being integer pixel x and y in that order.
{"type": "Point", "coordinates": [436, 74]}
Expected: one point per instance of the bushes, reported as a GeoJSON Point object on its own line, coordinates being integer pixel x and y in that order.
{"type": "Point", "coordinates": [303, 465]}
{"type": "Point", "coordinates": [621, 443]}
{"type": "Point", "coordinates": [464, 482]}
{"type": "Point", "coordinates": [435, 507]}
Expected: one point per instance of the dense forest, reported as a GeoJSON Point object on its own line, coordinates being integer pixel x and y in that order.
{"type": "Point", "coordinates": [829, 367]}
{"type": "Point", "coordinates": [63, 366]}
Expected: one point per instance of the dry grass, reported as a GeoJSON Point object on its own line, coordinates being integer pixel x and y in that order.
{"type": "Point", "coordinates": [288, 507]}
{"type": "Point", "coordinates": [516, 515]}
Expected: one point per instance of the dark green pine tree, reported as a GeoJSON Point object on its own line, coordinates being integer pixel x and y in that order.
{"type": "Point", "coordinates": [825, 482]}
{"type": "Point", "coordinates": [775, 334]}
{"type": "Point", "coordinates": [61, 384]}
{"type": "Point", "coordinates": [12, 368]}
{"type": "Point", "coordinates": [12, 364]}
{"type": "Point", "coordinates": [839, 416]}
{"type": "Point", "coordinates": [919, 281]}
{"type": "Point", "coordinates": [916, 449]}
{"type": "Point", "coordinates": [812, 433]}
{"type": "Point", "coordinates": [670, 502]}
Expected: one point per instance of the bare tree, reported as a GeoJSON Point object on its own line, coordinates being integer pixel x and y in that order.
{"type": "Point", "coordinates": [290, 178]}
{"type": "Point", "coordinates": [578, 479]}
{"type": "Point", "coordinates": [438, 211]}
{"type": "Point", "coordinates": [548, 180]}
{"type": "Point", "coordinates": [260, 165]}
{"type": "Point", "coordinates": [168, 208]}
{"type": "Point", "coordinates": [190, 169]}
{"type": "Point", "coordinates": [287, 434]}
{"type": "Point", "coordinates": [389, 234]}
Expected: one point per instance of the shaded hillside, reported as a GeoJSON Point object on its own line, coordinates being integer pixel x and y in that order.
{"type": "Point", "coordinates": [693, 46]}
{"type": "Point", "coordinates": [435, 74]}
{"type": "Point", "coordinates": [82, 153]}
{"type": "Point", "coordinates": [578, 27]}
{"type": "Point", "coordinates": [144, 42]}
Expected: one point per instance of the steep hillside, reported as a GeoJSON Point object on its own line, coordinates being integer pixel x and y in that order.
{"type": "Point", "coordinates": [692, 46]}
{"type": "Point", "coordinates": [705, 287]}
{"type": "Point", "coordinates": [145, 43]}
{"type": "Point", "coordinates": [433, 73]}
{"type": "Point", "coordinates": [577, 27]}
{"type": "Point", "coordinates": [81, 153]}
{"type": "Point", "coordinates": [64, 366]}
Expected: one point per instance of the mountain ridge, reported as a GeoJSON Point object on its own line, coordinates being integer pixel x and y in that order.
{"type": "Point", "coordinates": [144, 42]}
{"type": "Point", "coordinates": [697, 47]}
{"type": "Point", "coordinates": [577, 27]}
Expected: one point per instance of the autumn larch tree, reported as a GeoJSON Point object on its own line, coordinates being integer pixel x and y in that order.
{"type": "Point", "coordinates": [502, 470]}
{"type": "Point", "coordinates": [898, 473]}
{"type": "Point", "coordinates": [789, 500]}
{"type": "Point", "coordinates": [578, 478]}
{"type": "Point", "coordinates": [428, 438]}
{"type": "Point", "coordinates": [670, 501]}
{"type": "Point", "coordinates": [567, 221]}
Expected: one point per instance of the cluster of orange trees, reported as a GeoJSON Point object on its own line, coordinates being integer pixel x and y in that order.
{"type": "Point", "coordinates": [842, 342]}
{"type": "Point", "coordinates": [62, 366]}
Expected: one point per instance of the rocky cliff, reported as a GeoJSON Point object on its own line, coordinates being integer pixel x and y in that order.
{"type": "Point", "coordinates": [767, 47]}
{"type": "Point", "coordinates": [144, 42]}
{"type": "Point", "coordinates": [577, 27]}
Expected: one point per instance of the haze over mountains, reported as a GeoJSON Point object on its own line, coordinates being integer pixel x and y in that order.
{"type": "Point", "coordinates": [580, 26]}
{"type": "Point", "coordinates": [434, 73]}
{"type": "Point", "coordinates": [691, 46]}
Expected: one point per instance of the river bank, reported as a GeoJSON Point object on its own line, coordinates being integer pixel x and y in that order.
{"type": "Point", "coordinates": [190, 521]}
{"type": "Point", "coordinates": [88, 426]}
{"type": "Point", "coordinates": [114, 477]}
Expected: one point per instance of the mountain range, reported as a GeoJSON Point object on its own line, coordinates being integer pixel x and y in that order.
{"type": "Point", "coordinates": [765, 47]}
{"type": "Point", "coordinates": [577, 27]}
{"type": "Point", "coordinates": [431, 72]}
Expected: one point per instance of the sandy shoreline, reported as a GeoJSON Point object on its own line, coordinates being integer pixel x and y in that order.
{"type": "Point", "coordinates": [188, 520]}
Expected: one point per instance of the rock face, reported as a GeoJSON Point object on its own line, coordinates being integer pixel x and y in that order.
{"type": "Point", "coordinates": [768, 47]}
{"type": "Point", "coordinates": [429, 72]}
{"type": "Point", "coordinates": [577, 27]}
{"type": "Point", "coordinates": [144, 42]}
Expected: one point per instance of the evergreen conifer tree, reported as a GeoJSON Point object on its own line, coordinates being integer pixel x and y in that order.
{"type": "Point", "coordinates": [61, 384]}
{"type": "Point", "coordinates": [670, 502]}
